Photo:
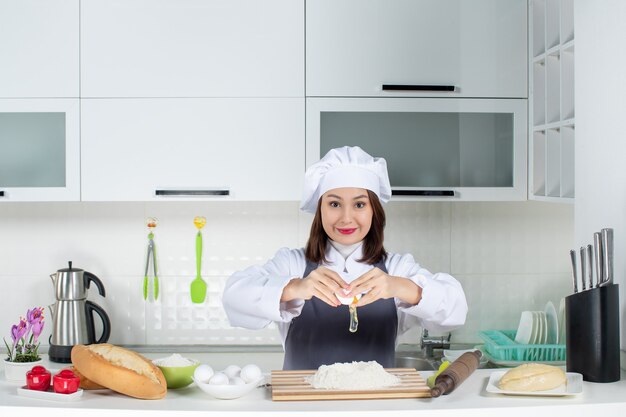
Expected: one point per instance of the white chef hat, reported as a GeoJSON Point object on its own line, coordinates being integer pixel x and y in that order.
{"type": "Point", "coordinates": [349, 166]}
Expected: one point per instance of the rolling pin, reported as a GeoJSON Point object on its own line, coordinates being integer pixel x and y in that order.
{"type": "Point", "coordinates": [456, 373]}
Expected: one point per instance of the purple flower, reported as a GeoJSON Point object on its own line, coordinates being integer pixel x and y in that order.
{"type": "Point", "coordinates": [35, 315]}
{"type": "Point", "coordinates": [18, 331]}
{"type": "Point", "coordinates": [24, 343]}
{"type": "Point", "coordinates": [37, 328]}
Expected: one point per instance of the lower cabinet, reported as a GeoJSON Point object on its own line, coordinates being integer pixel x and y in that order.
{"type": "Point", "coordinates": [189, 149]}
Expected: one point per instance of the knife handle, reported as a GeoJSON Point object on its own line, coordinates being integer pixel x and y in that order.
{"type": "Point", "coordinates": [598, 252]}
{"type": "Point", "coordinates": [607, 245]}
{"type": "Point", "coordinates": [590, 265]}
{"type": "Point", "coordinates": [572, 255]}
{"type": "Point", "coordinates": [583, 267]}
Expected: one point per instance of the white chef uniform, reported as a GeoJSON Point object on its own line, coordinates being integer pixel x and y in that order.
{"type": "Point", "coordinates": [252, 297]}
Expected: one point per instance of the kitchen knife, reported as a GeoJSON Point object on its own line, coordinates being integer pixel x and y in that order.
{"type": "Point", "coordinates": [583, 267]}
{"type": "Point", "coordinates": [572, 255]}
{"type": "Point", "coordinates": [607, 246]}
{"type": "Point", "coordinates": [597, 244]}
{"type": "Point", "coordinates": [590, 265]}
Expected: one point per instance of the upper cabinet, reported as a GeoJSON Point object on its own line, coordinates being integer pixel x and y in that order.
{"type": "Point", "coordinates": [552, 100]}
{"type": "Point", "coordinates": [39, 48]}
{"type": "Point", "coordinates": [435, 48]}
{"type": "Point", "coordinates": [209, 148]}
{"type": "Point", "coordinates": [436, 149]}
{"type": "Point", "coordinates": [39, 150]}
{"type": "Point", "coordinates": [192, 48]}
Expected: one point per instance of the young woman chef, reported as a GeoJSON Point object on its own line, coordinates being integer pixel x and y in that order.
{"type": "Point", "coordinates": [344, 256]}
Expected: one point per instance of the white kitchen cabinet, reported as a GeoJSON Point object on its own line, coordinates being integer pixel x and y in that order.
{"type": "Point", "coordinates": [39, 150]}
{"type": "Point", "coordinates": [192, 48]}
{"type": "Point", "coordinates": [436, 149]}
{"type": "Point", "coordinates": [551, 98]}
{"type": "Point", "coordinates": [478, 48]}
{"type": "Point", "coordinates": [217, 149]}
{"type": "Point", "coordinates": [39, 48]}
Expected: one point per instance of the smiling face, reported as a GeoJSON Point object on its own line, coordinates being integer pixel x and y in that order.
{"type": "Point", "coordinates": [346, 214]}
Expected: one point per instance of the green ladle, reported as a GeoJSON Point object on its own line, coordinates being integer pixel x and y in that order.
{"type": "Point", "coordinates": [198, 286]}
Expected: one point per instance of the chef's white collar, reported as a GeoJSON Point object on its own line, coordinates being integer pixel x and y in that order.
{"type": "Point", "coordinates": [348, 267]}
{"type": "Point", "coordinates": [345, 250]}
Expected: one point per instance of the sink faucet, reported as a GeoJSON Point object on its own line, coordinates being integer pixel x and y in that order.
{"type": "Point", "coordinates": [429, 343]}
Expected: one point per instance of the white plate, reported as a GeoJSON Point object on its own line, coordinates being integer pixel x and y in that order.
{"type": "Point", "coordinates": [534, 338]}
{"type": "Point", "coordinates": [49, 395]}
{"type": "Point", "coordinates": [228, 392]}
{"type": "Point", "coordinates": [561, 322]}
{"type": "Point", "coordinates": [542, 327]}
{"type": "Point", "coordinates": [574, 386]}
{"type": "Point", "coordinates": [553, 324]}
{"type": "Point", "coordinates": [525, 329]}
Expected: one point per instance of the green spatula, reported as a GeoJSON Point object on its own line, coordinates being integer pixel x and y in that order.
{"type": "Point", "coordinates": [198, 286]}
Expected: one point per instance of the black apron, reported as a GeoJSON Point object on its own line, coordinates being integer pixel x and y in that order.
{"type": "Point", "coordinates": [320, 335]}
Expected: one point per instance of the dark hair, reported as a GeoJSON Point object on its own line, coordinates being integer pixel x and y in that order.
{"type": "Point", "coordinates": [373, 249]}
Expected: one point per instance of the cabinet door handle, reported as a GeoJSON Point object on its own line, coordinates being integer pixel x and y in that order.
{"type": "Point", "coordinates": [193, 193]}
{"type": "Point", "coordinates": [417, 87]}
{"type": "Point", "coordinates": [424, 193]}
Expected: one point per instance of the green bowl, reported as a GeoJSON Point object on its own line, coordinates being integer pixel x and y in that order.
{"type": "Point", "coordinates": [178, 376]}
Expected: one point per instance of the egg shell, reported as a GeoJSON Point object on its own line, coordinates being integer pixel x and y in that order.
{"type": "Point", "coordinates": [203, 373]}
{"type": "Point", "coordinates": [232, 371]}
{"type": "Point", "coordinates": [346, 300]}
{"type": "Point", "coordinates": [250, 373]}
{"type": "Point", "coordinates": [219, 379]}
{"type": "Point", "coordinates": [237, 381]}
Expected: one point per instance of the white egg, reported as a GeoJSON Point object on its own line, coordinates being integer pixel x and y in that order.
{"type": "Point", "coordinates": [203, 373]}
{"type": "Point", "coordinates": [250, 373]}
{"type": "Point", "coordinates": [237, 381]}
{"type": "Point", "coordinates": [219, 379]}
{"type": "Point", "coordinates": [232, 371]}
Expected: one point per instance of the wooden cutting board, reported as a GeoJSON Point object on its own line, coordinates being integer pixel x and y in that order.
{"type": "Point", "coordinates": [291, 386]}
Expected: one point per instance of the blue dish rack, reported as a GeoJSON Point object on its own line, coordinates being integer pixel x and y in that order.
{"type": "Point", "coordinates": [501, 346]}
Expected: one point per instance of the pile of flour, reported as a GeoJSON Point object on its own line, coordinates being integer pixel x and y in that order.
{"type": "Point", "coordinates": [353, 376]}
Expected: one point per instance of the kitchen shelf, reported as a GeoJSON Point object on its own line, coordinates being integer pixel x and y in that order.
{"type": "Point", "coordinates": [551, 101]}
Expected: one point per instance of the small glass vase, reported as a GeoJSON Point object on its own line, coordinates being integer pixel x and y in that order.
{"type": "Point", "coordinates": [16, 371]}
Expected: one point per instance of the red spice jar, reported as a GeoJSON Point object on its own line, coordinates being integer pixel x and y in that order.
{"type": "Point", "coordinates": [65, 382]}
{"type": "Point", "coordinates": [38, 378]}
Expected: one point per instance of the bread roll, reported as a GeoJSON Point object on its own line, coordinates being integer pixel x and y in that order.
{"type": "Point", "coordinates": [532, 377]}
{"type": "Point", "coordinates": [85, 383]}
{"type": "Point", "coordinates": [120, 369]}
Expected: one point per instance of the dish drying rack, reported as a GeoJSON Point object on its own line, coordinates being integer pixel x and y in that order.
{"type": "Point", "coordinates": [501, 348]}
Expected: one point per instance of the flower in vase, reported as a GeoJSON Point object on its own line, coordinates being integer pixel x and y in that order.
{"type": "Point", "coordinates": [24, 336]}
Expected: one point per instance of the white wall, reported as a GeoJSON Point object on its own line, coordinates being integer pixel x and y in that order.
{"type": "Point", "coordinates": [508, 256]}
{"type": "Point", "coordinates": [600, 84]}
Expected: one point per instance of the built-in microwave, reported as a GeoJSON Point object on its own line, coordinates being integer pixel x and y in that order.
{"type": "Point", "coordinates": [436, 149]}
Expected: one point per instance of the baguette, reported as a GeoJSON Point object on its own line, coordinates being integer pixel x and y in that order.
{"type": "Point", "coordinates": [532, 377]}
{"type": "Point", "coordinates": [85, 383]}
{"type": "Point", "coordinates": [120, 369]}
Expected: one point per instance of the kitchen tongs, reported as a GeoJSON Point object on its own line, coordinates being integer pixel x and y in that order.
{"type": "Point", "coordinates": [151, 255]}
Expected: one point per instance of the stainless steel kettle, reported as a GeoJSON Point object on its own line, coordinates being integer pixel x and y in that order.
{"type": "Point", "coordinates": [73, 315]}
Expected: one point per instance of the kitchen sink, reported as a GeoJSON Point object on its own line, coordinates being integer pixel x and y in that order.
{"type": "Point", "coordinates": [417, 362]}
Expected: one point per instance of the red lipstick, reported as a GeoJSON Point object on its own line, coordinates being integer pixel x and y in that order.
{"type": "Point", "coordinates": [347, 231]}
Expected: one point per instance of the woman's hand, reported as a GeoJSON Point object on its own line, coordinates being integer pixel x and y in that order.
{"type": "Point", "coordinates": [322, 283]}
{"type": "Point", "coordinates": [379, 285]}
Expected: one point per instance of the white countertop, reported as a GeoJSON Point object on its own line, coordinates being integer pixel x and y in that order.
{"type": "Point", "coordinates": [468, 400]}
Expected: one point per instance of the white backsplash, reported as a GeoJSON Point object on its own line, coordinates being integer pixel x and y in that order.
{"type": "Point", "coordinates": [508, 256]}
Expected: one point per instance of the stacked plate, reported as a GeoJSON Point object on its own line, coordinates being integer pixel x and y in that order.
{"type": "Point", "coordinates": [541, 327]}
